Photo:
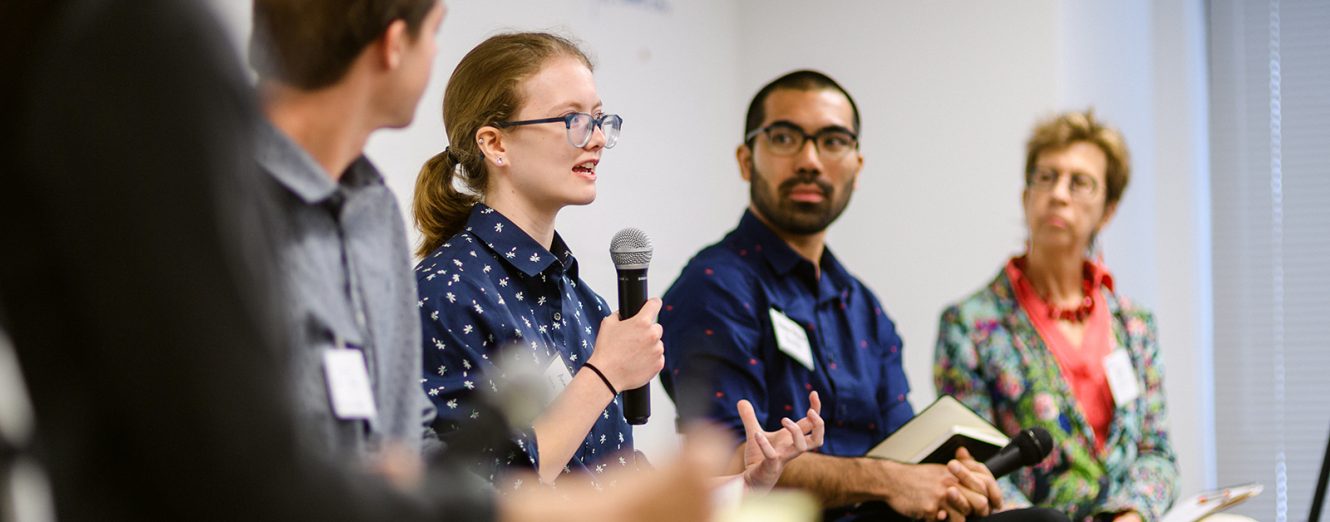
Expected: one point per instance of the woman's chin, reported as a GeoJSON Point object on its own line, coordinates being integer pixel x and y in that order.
{"type": "Point", "coordinates": [582, 200]}
{"type": "Point", "coordinates": [588, 194]}
{"type": "Point", "coordinates": [1054, 242]}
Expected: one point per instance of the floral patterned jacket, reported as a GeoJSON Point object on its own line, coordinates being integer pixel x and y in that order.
{"type": "Point", "coordinates": [991, 358]}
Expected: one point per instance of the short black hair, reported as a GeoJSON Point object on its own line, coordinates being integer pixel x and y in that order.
{"type": "Point", "coordinates": [801, 80]}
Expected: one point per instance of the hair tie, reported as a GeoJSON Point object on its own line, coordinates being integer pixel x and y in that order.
{"type": "Point", "coordinates": [448, 151]}
{"type": "Point", "coordinates": [602, 376]}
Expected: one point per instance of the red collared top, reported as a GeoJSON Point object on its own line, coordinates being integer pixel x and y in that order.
{"type": "Point", "coordinates": [1082, 365]}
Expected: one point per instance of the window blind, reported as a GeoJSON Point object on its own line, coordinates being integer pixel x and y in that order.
{"type": "Point", "coordinates": [1270, 190]}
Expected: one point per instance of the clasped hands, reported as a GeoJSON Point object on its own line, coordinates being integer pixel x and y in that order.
{"type": "Point", "coordinates": [963, 487]}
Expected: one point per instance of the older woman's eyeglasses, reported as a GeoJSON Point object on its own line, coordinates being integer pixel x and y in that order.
{"type": "Point", "coordinates": [1080, 185]}
{"type": "Point", "coordinates": [580, 126]}
{"type": "Point", "coordinates": [785, 139]}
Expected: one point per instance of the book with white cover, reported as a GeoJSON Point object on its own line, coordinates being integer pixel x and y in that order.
{"type": "Point", "coordinates": [1208, 503]}
{"type": "Point", "coordinates": [935, 433]}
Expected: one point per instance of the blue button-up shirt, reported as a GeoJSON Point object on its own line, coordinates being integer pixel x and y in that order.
{"type": "Point", "coordinates": [720, 345]}
{"type": "Point", "coordinates": [492, 286]}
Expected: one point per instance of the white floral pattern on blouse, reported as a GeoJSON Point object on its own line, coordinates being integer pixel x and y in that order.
{"type": "Point", "coordinates": [493, 286]}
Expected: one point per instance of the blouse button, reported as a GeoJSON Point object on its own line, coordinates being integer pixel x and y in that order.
{"type": "Point", "coordinates": [557, 316]}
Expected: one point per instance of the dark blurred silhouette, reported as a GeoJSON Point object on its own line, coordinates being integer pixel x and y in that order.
{"type": "Point", "coordinates": [134, 275]}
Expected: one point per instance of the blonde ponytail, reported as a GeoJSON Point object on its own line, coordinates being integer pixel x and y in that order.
{"type": "Point", "coordinates": [440, 209]}
{"type": "Point", "coordinates": [485, 88]}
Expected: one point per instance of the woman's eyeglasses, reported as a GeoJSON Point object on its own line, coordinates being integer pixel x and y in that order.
{"type": "Point", "coordinates": [1079, 185]}
{"type": "Point", "coordinates": [580, 126]}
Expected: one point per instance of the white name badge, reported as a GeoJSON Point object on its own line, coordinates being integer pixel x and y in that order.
{"type": "Point", "coordinates": [1121, 377]}
{"type": "Point", "coordinates": [348, 384]}
{"type": "Point", "coordinates": [791, 338]}
{"type": "Point", "coordinates": [556, 376]}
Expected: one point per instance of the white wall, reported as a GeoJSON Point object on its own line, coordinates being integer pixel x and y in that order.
{"type": "Point", "coordinates": [947, 90]}
{"type": "Point", "coordinates": [1142, 64]}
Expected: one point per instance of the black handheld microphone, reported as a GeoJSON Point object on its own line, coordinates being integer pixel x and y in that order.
{"type": "Point", "coordinates": [1027, 448]}
{"type": "Point", "coordinates": [631, 251]}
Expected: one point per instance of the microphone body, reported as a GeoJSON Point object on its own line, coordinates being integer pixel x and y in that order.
{"type": "Point", "coordinates": [631, 251]}
{"type": "Point", "coordinates": [632, 291]}
{"type": "Point", "coordinates": [1027, 448]}
{"type": "Point", "coordinates": [632, 295]}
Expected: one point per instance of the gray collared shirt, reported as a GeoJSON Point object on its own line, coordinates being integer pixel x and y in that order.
{"type": "Point", "coordinates": [344, 258]}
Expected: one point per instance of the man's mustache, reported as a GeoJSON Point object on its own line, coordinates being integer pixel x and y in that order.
{"type": "Point", "coordinates": [788, 185]}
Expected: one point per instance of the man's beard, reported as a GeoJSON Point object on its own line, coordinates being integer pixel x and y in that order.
{"type": "Point", "coordinates": [796, 217]}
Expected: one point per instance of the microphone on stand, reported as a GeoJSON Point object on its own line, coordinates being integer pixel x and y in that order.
{"type": "Point", "coordinates": [631, 251]}
{"type": "Point", "coordinates": [1027, 448]}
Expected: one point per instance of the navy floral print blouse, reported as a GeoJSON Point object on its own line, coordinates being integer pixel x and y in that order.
{"type": "Point", "coordinates": [493, 287]}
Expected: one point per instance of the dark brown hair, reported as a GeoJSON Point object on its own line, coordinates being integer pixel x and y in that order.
{"type": "Point", "coordinates": [311, 44]}
{"type": "Point", "coordinates": [1062, 130]}
{"type": "Point", "coordinates": [484, 89]}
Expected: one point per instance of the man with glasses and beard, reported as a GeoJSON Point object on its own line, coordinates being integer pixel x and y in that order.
{"type": "Point", "coordinates": [769, 314]}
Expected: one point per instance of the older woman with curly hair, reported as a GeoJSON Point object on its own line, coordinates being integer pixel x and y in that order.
{"type": "Point", "coordinates": [1050, 343]}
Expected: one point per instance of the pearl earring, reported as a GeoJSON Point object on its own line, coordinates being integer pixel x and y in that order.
{"type": "Point", "coordinates": [498, 160]}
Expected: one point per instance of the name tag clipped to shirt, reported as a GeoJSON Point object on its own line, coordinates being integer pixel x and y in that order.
{"type": "Point", "coordinates": [348, 383]}
{"type": "Point", "coordinates": [791, 338]}
{"type": "Point", "coordinates": [1121, 375]}
{"type": "Point", "coordinates": [556, 376]}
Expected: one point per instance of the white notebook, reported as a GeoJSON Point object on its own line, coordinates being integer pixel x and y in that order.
{"type": "Point", "coordinates": [1204, 504]}
{"type": "Point", "coordinates": [935, 433]}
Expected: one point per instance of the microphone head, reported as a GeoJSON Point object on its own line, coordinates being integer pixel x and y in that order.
{"type": "Point", "coordinates": [1035, 444]}
{"type": "Point", "coordinates": [631, 249]}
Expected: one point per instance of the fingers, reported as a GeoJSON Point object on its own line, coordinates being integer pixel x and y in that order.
{"type": "Point", "coordinates": [979, 487]}
{"type": "Point", "coordinates": [630, 350]}
{"type": "Point", "coordinates": [963, 454]}
{"type": "Point", "coordinates": [966, 502]}
{"type": "Point", "coordinates": [754, 429]}
{"type": "Point", "coordinates": [815, 404]}
{"type": "Point", "coordinates": [819, 428]}
{"type": "Point", "coordinates": [968, 479]}
{"type": "Point", "coordinates": [749, 418]}
{"type": "Point", "coordinates": [994, 496]}
{"type": "Point", "coordinates": [952, 500]}
{"type": "Point", "coordinates": [796, 434]}
{"type": "Point", "coordinates": [992, 490]}
{"type": "Point", "coordinates": [768, 451]}
{"type": "Point", "coordinates": [977, 467]}
{"type": "Point", "coordinates": [979, 506]}
{"type": "Point", "coordinates": [650, 309]}
{"type": "Point", "coordinates": [981, 473]}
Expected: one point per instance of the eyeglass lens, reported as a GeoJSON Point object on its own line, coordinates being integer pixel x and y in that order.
{"type": "Point", "coordinates": [1078, 183]}
{"type": "Point", "coordinates": [582, 125]}
{"type": "Point", "coordinates": [831, 143]}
